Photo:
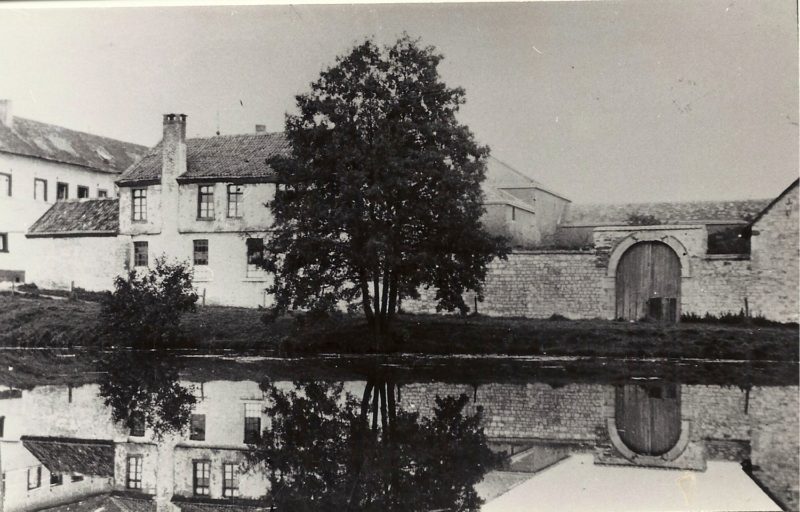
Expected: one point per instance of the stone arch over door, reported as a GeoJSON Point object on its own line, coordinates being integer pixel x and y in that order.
{"type": "Point", "coordinates": [648, 282]}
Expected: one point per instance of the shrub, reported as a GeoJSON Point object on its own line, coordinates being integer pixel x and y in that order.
{"type": "Point", "coordinates": [145, 308]}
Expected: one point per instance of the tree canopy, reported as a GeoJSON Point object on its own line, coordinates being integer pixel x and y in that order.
{"type": "Point", "coordinates": [381, 194]}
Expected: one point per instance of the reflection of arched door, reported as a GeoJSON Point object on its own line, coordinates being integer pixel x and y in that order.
{"type": "Point", "coordinates": [649, 283]}
{"type": "Point", "coordinates": [648, 418]}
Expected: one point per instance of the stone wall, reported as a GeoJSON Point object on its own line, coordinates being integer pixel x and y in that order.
{"type": "Point", "coordinates": [774, 255]}
{"type": "Point", "coordinates": [536, 284]}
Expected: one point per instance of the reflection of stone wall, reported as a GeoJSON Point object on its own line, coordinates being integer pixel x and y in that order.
{"type": "Point", "coordinates": [774, 445]}
{"type": "Point", "coordinates": [522, 410]}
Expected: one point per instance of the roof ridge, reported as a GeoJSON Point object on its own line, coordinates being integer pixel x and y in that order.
{"type": "Point", "coordinates": [514, 170]}
{"type": "Point", "coordinates": [79, 131]}
{"type": "Point", "coordinates": [674, 202]}
{"type": "Point", "coordinates": [233, 135]}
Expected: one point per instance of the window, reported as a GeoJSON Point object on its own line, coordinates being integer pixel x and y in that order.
{"type": "Point", "coordinates": [201, 477]}
{"type": "Point", "coordinates": [255, 251]}
{"type": "Point", "coordinates": [136, 423]}
{"type": "Point", "coordinates": [134, 474]}
{"type": "Point", "coordinates": [205, 202]}
{"type": "Point", "coordinates": [252, 423]}
{"type": "Point", "coordinates": [235, 195]}
{"type": "Point", "coordinates": [40, 189]}
{"type": "Point", "coordinates": [2, 425]}
{"type": "Point", "coordinates": [34, 477]}
{"type": "Point", "coordinates": [56, 479]}
{"type": "Point", "coordinates": [62, 191]}
{"type": "Point", "coordinates": [139, 206]}
{"type": "Point", "coordinates": [102, 192]}
{"type": "Point", "coordinates": [139, 254]}
{"type": "Point", "coordinates": [198, 431]}
{"type": "Point", "coordinates": [201, 252]}
{"type": "Point", "coordinates": [3, 242]}
{"type": "Point", "coordinates": [230, 481]}
{"type": "Point", "coordinates": [83, 192]}
{"type": "Point", "coordinates": [5, 184]}
{"type": "Point", "coordinates": [76, 478]}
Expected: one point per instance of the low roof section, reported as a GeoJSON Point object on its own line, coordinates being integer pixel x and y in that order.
{"type": "Point", "coordinates": [241, 158]}
{"type": "Point", "coordinates": [58, 144]}
{"type": "Point", "coordinates": [66, 455]}
{"type": "Point", "coordinates": [78, 217]}
{"type": "Point", "coordinates": [116, 501]}
{"type": "Point", "coordinates": [691, 212]}
{"type": "Point", "coordinates": [502, 175]}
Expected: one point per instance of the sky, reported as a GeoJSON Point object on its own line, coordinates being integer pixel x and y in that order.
{"type": "Point", "coordinates": [601, 101]}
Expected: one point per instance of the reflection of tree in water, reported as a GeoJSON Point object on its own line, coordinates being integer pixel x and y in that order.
{"type": "Point", "coordinates": [143, 391]}
{"type": "Point", "coordinates": [324, 452]}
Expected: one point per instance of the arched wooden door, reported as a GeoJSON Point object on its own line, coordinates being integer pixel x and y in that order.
{"type": "Point", "coordinates": [648, 417]}
{"type": "Point", "coordinates": [649, 283]}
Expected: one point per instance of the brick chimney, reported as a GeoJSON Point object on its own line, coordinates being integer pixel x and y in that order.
{"type": "Point", "coordinates": [261, 128]}
{"type": "Point", "coordinates": [173, 164]}
{"type": "Point", "coordinates": [6, 116]}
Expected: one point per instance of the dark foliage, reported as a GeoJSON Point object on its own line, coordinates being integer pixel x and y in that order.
{"type": "Point", "coordinates": [323, 452]}
{"type": "Point", "coordinates": [729, 318]}
{"type": "Point", "coordinates": [146, 307]}
{"type": "Point", "coordinates": [145, 385]}
{"type": "Point", "coordinates": [382, 192]}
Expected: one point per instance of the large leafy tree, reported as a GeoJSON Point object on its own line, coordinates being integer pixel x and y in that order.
{"type": "Point", "coordinates": [381, 193]}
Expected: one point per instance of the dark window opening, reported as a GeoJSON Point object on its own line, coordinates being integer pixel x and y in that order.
{"type": "Point", "coordinates": [34, 477]}
{"type": "Point", "coordinates": [205, 202]}
{"type": "Point", "coordinates": [235, 196]}
{"type": "Point", "coordinates": [255, 251]}
{"type": "Point", "coordinates": [2, 425]}
{"type": "Point", "coordinates": [40, 189]}
{"type": "Point", "coordinates": [201, 252]}
{"type": "Point", "coordinates": [201, 477]}
{"type": "Point", "coordinates": [136, 424]}
{"type": "Point", "coordinates": [133, 478]}
{"type": "Point", "coordinates": [139, 205]}
{"type": "Point", "coordinates": [230, 481]}
{"type": "Point", "coordinates": [727, 239]}
{"type": "Point", "coordinates": [252, 423]}
{"type": "Point", "coordinates": [198, 429]}
{"type": "Point", "coordinates": [76, 478]}
{"type": "Point", "coordinates": [513, 213]}
{"type": "Point", "coordinates": [102, 193]}
{"type": "Point", "coordinates": [140, 254]}
{"type": "Point", "coordinates": [62, 191]}
{"type": "Point", "coordinates": [3, 242]}
{"type": "Point", "coordinates": [83, 192]}
{"type": "Point", "coordinates": [56, 479]}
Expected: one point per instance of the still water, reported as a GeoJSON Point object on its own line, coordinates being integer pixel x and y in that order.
{"type": "Point", "coordinates": [146, 431]}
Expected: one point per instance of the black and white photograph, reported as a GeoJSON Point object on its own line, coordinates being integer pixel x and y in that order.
{"type": "Point", "coordinates": [416, 257]}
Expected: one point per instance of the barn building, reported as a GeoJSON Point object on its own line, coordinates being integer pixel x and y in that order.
{"type": "Point", "coordinates": [42, 164]}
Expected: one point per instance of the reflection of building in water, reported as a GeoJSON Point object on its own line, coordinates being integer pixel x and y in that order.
{"type": "Point", "coordinates": [59, 445]}
{"type": "Point", "coordinates": [673, 426]}
{"type": "Point", "coordinates": [68, 432]}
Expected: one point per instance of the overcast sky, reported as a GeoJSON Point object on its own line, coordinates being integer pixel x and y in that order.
{"type": "Point", "coordinates": [602, 101]}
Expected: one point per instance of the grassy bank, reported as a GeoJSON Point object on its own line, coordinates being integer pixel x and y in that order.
{"type": "Point", "coordinates": [42, 322]}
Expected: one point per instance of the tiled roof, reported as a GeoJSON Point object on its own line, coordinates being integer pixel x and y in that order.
{"type": "Point", "coordinates": [114, 502]}
{"type": "Point", "coordinates": [201, 504]}
{"type": "Point", "coordinates": [58, 144]}
{"type": "Point", "coordinates": [90, 457]}
{"type": "Point", "coordinates": [501, 175]}
{"type": "Point", "coordinates": [775, 201]}
{"type": "Point", "coordinates": [216, 158]}
{"type": "Point", "coordinates": [703, 212]}
{"type": "Point", "coordinates": [78, 217]}
{"type": "Point", "coordinates": [493, 195]}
